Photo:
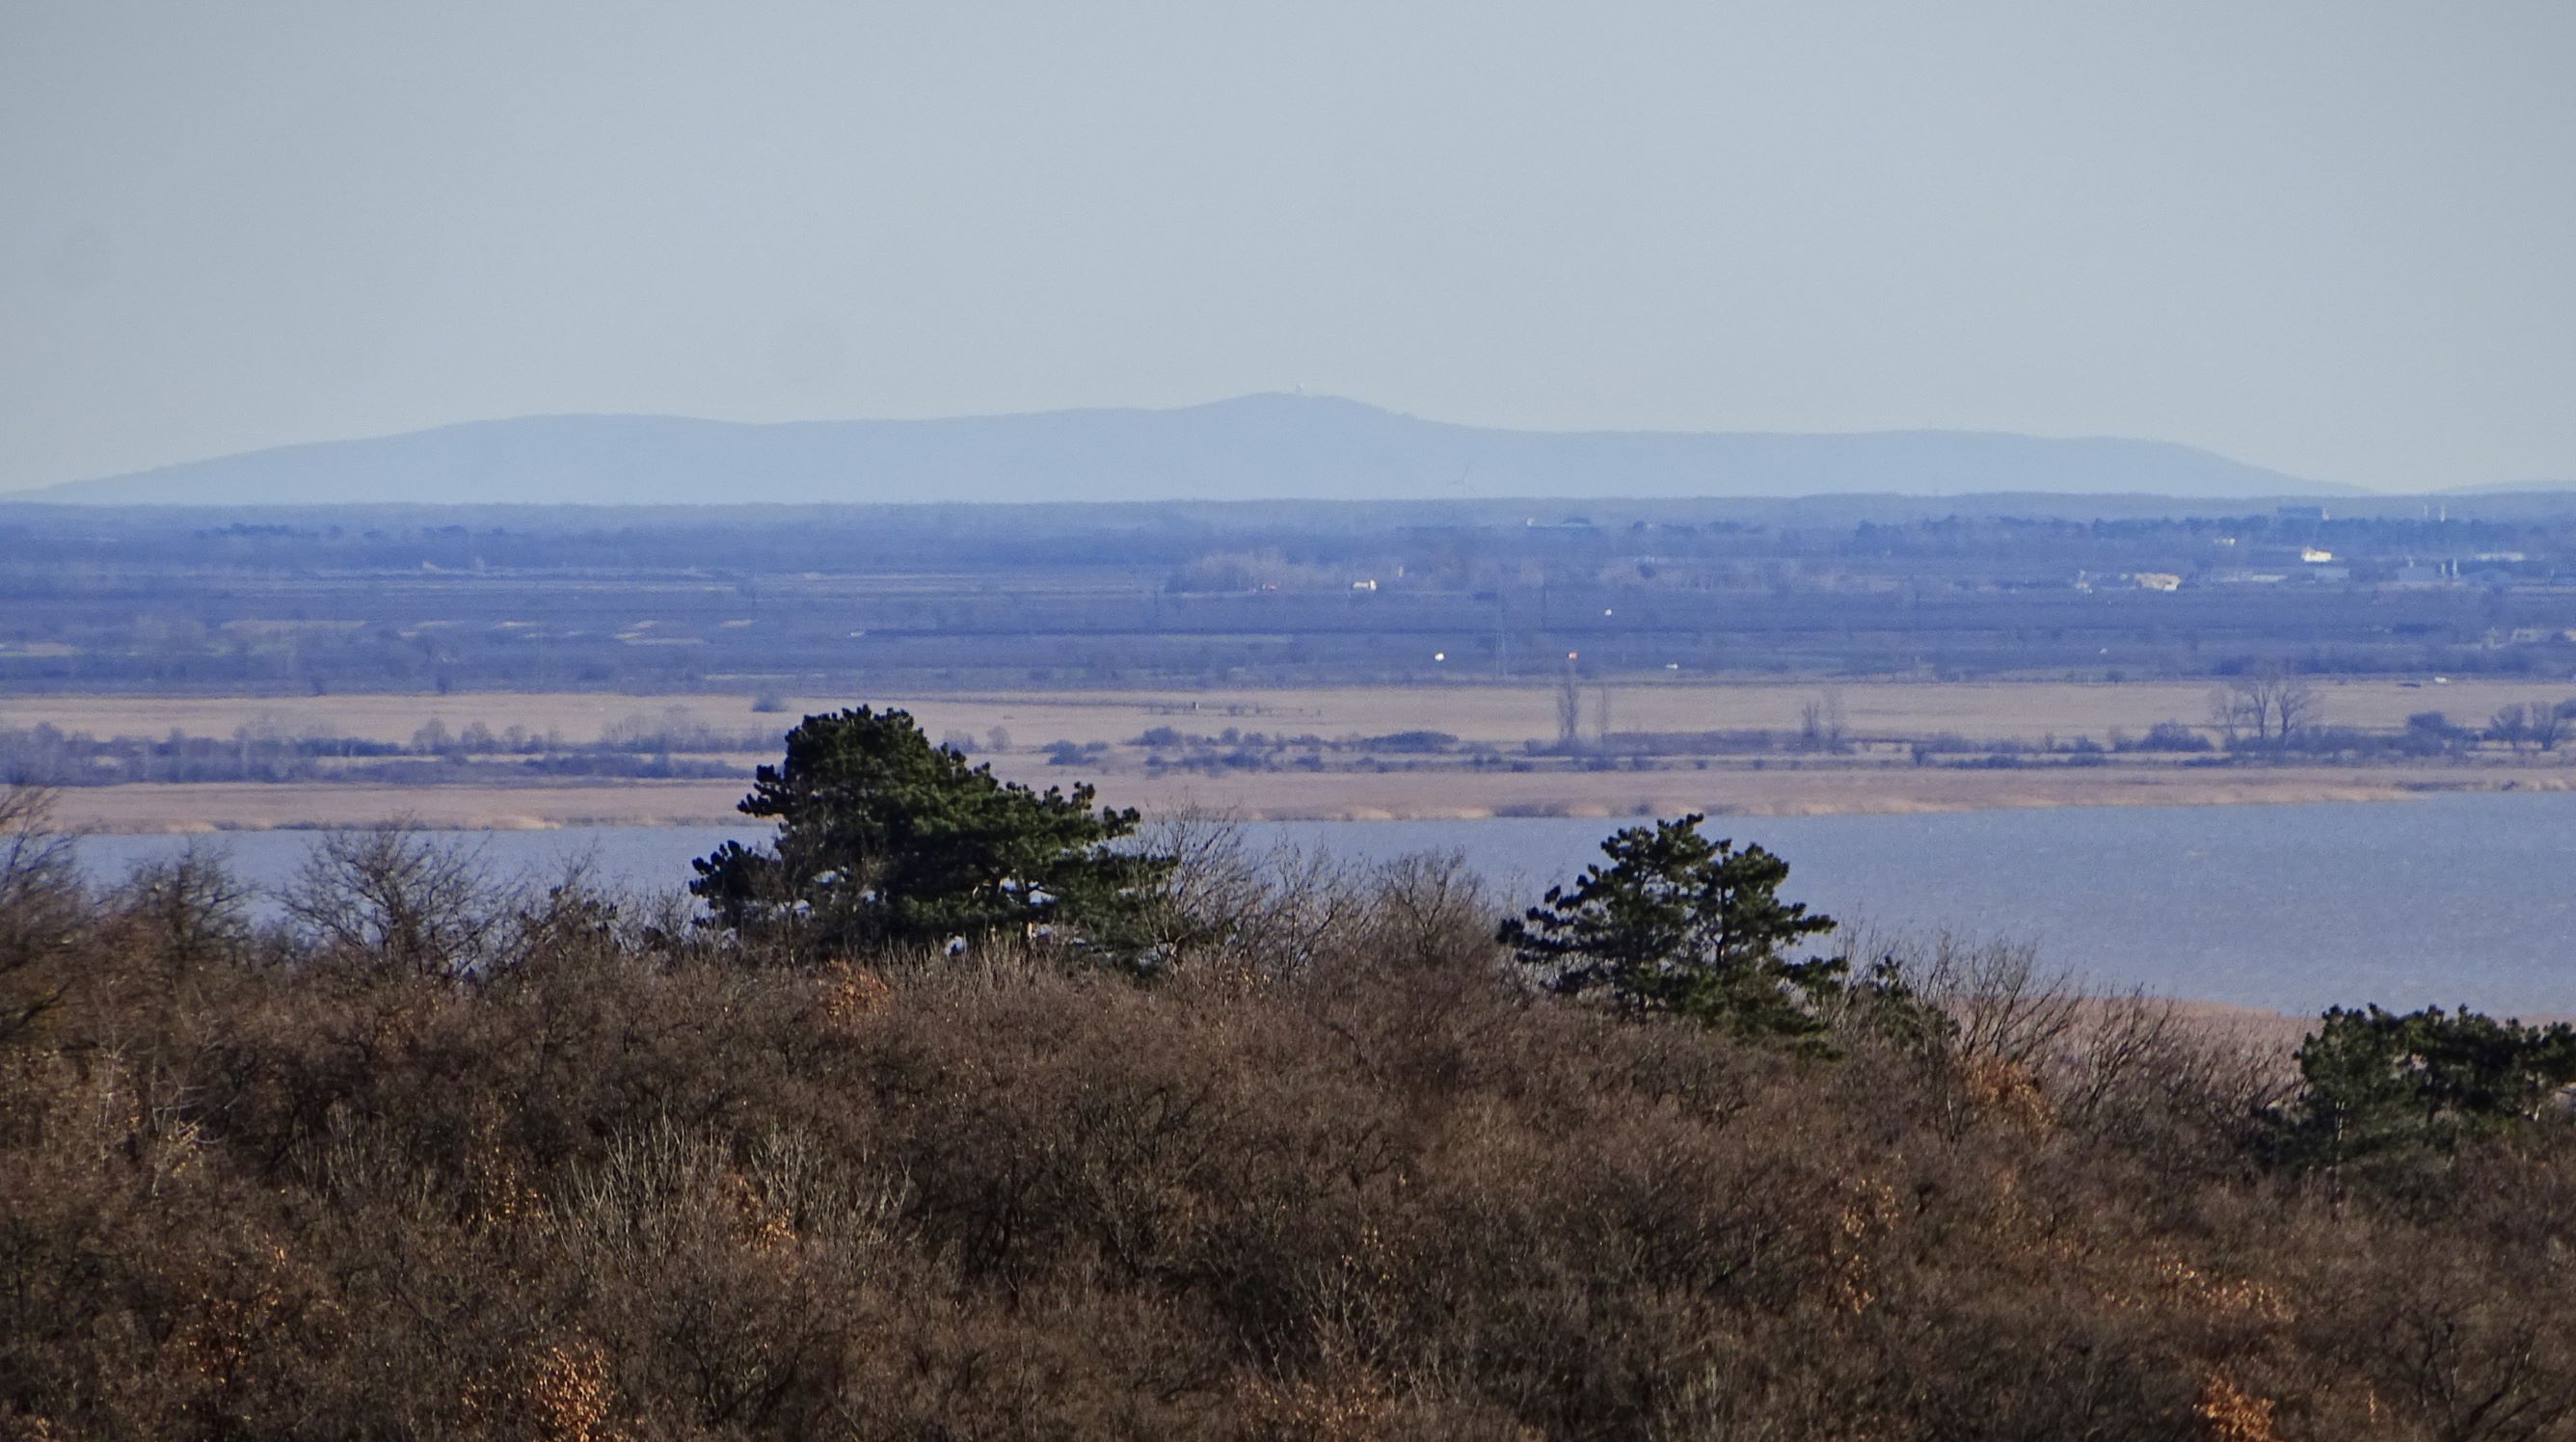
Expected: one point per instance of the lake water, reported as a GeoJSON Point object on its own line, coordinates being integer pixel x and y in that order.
{"type": "Point", "coordinates": [2455, 900]}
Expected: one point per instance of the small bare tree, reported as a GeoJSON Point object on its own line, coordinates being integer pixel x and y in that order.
{"type": "Point", "coordinates": [2511, 724]}
{"type": "Point", "coordinates": [1821, 722]}
{"type": "Point", "coordinates": [2233, 711]}
{"type": "Point", "coordinates": [1569, 710]}
{"type": "Point", "coordinates": [2547, 724]}
{"type": "Point", "coordinates": [2555, 724]}
{"type": "Point", "coordinates": [40, 907]}
{"type": "Point", "coordinates": [394, 899]}
{"type": "Point", "coordinates": [2296, 707]}
{"type": "Point", "coordinates": [2265, 704]}
{"type": "Point", "coordinates": [2536, 726]}
{"type": "Point", "coordinates": [190, 905]}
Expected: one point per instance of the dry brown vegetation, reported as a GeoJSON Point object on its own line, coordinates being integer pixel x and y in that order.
{"type": "Point", "coordinates": [1811, 789]}
{"type": "Point", "coordinates": [1486, 777]}
{"type": "Point", "coordinates": [1472, 710]}
{"type": "Point", "coordinates": [541, 1163]}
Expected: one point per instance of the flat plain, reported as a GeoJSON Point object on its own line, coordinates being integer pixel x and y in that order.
{"type": "Point", "coordinates": [1876, 778]}
{"type": "Point", "coordinates": [1470, 710]}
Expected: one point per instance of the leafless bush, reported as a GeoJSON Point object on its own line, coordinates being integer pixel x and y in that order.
{"type": "Point", "coordinates": [1427, 909]}
{"type": "Point", "coordinates": [392, 898]}
{"type": "Point", "coordinates": [2003, 1008]}
{"type": "Point", "coordinates": [1328, 1175]}
{"type": "Point", "coordinates": [2265, 703]}
{"type": "Point", "coordinates": [1230, 903]}
{"type": "Point", "coordinates": [1822, 724]}
{"type": "Point", "coordinates": [2019, 1030]}
{"type": "Point", "coordinates": [190, 906]}
{"type": "Point", "coordinates": [40, 907]}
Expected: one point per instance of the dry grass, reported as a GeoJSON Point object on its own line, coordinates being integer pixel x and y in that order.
{"type": "Point", "coordinates": [253, 806]}
{"type": "Point", "coordinates": [1474, 711]}
{"type": "Point", "coordinates": [1815, 789]}
{"type": "Point", "coordinates": [1503, 715]}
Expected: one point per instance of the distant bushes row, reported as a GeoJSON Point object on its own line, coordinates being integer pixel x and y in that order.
{"type": "Point", "coordinates": [639, 746]}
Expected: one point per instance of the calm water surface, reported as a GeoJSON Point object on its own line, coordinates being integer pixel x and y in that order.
{"type": "Point", "coordinates": [2451, 900]}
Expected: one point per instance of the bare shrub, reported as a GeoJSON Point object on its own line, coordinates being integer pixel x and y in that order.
{"type": "Point", "coordinates": [1228, 903]}
{"type": "Point", "coordinates": [2021, 1035]}
{"type": "Point", "coordinates": [1325, 1174]}
{"type": "Point", "coordinates": [393, 898]}
{"type": "Point", "coordinates": [2265, 704]}
{"type": "Point", "coordinates": [1822, 723]}
{"type": "Point", "coordinates": [190, 908]}
{"type": "Point", "coordinates": [40, 908]}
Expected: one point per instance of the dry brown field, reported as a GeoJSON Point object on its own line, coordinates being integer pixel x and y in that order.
{"type": "Point", "coordinates": [256, 806]}
{"type": "Point", "coordinates": [1809, 789]}
{"type": "Point", "coordinates": [1473, 711]}
{"type": "Point", "coordinates": [1503, 715]}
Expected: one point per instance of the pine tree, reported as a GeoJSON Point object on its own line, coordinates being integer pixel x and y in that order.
{"type": "Point", "coordinates": [1681, 924]}
{"type": "Point", "coordinates": [887, 840]}
{"type": "Point", "coordinates": [2373, 1081]}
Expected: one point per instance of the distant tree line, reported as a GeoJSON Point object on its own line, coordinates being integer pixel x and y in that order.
{"type": "Point", "coordinates": [669, 746]}
{"type": "Point", "coordinates": [817, 600]}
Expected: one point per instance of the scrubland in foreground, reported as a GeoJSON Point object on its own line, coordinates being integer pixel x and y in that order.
{"type": "Point", "coordinates": [454, 1160]}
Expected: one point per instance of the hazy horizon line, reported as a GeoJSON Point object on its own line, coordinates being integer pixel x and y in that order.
{"type": "Point", "coordinates": [26, 492]}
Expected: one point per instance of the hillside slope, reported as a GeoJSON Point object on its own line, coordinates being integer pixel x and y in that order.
{"type": "Point", "coordinates": [1253, 447]}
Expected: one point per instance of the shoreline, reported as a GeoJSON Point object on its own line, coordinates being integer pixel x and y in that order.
{"type": "Point", "coordinates": [1501, 713]}
{"type": "Point", "coordinates": [215, 807]}
{"type": "Point", "coordinates": [1489, 727]}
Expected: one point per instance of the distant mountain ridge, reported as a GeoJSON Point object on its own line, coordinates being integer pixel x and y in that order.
{"type": "Point", "coordinates": [2501, 488]}
{"type": "Point", "coordinates": [1262, 447]}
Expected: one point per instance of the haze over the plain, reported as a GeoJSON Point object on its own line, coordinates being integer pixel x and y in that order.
{"type": "Point", "coordinates": [1273, 447]}
{"type": "Point", "coordinates": [2328, 240]}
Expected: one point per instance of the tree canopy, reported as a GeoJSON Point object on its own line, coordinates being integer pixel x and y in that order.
{"type": "Point", "coordinates": [2375, 1081]}
{"type": "Point", "coordinates": [886, 839]}
{"type": "Point", "coordinates": [1676, 922]}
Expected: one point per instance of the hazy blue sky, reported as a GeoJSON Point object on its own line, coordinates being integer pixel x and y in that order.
{"type": "Point", "coordinates": [2334, 238]}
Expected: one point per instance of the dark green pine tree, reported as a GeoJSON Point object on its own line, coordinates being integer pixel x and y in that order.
{"type": "Point", "coordinates": [887, 840]}
{"type": "Point", "coordinates": [1680, 924]}
{"type": "Point", "coordinates": [2374, 1082]}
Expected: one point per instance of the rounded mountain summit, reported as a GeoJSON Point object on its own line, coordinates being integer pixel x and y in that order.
{"type": "Point", "coordinates": [1259, 447]}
